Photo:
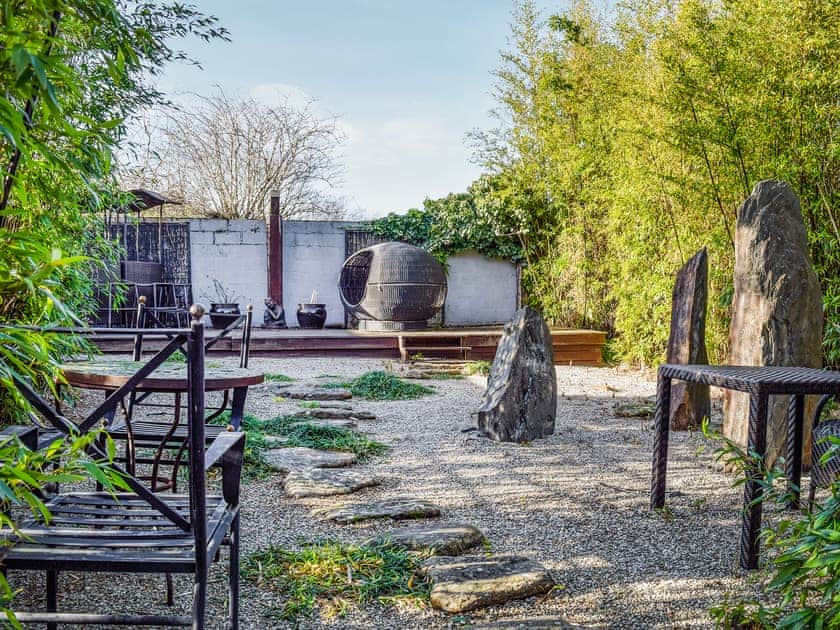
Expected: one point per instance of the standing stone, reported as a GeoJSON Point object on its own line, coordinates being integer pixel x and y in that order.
{"type": "Point", "coordinates": [520, 403]}
{"type": "Point", "coordinates": [776, 309]}
{"type": "Point", "coordinates": [687, 344]}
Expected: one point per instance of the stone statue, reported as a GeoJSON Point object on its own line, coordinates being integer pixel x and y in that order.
{"type": "Point", "coordinates": [274, 315]}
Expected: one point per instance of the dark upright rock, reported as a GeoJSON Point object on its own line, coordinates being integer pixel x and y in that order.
{"type": "Point", "coordinates": [520, 402]}
{"type": "Point", "coordinates": [776, 307]}
{"type": "Point", "coordinates": [687, 343]}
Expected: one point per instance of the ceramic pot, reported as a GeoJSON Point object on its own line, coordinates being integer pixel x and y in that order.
{"type": "Point", "coordinates": [312, 316]}
{"type": "Point", "coordinates": [223, 314]}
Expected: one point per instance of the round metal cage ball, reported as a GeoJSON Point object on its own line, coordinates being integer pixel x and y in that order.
{"type": "Point", "coordinates": [392, 286]}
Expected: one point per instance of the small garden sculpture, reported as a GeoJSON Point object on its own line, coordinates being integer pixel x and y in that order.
{"type": "Point", "coordinates": [274, 316]}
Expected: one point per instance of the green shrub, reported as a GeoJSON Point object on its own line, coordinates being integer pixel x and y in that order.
{"type": "Point", "coordinates": [801, 581]}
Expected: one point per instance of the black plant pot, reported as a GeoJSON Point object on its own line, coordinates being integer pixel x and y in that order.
{"type": "Point", "coordinates": [223, 314]}
{"type": "Point", "coordinates": [312, 316]}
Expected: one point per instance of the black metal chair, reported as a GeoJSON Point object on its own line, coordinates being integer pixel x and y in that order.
{"type": "Point", "coordinates": [823, 473]}
{"type": "Point", "coordinates": [165, 435]}
{"type": "Point", "coordinates": [172, 303]}
{"type": "Point", "coordinates": [139, 531]}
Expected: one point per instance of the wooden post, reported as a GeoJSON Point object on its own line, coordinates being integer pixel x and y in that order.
{"type": "Point", "coordinates": [275, 251]}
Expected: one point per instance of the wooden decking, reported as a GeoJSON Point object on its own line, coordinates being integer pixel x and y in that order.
{"type": "Point", "coordinates": [571, 347]}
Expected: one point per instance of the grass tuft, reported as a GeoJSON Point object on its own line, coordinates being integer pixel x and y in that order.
{"type": "Point", "coordinates": [278, 378]}
{"type": "Point", "coordinates": [334, 576]}
{"type": "Point", "coordinates": [383, 386]}
{"type": "Point", "coordinates": [309, 404]}
{"type": "Point", "coordinates": [478, 367]}
{"type": "Point", "coordinates": [297, 432]}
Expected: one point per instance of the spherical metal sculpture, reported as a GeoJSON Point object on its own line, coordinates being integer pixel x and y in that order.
{"type": "Point", "coordinates": [392, 286]}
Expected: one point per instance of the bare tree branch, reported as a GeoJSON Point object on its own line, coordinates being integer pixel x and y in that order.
{"type": "Point", "coordinates": [223, 157]}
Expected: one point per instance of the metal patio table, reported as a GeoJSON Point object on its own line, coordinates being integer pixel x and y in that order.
{"type": "Point", "coordinates": [110, 374]}
{"type": "Point", "coordinates": [760, 383]}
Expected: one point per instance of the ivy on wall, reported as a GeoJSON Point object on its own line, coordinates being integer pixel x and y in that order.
{"type": "Point", "coordinates": [472, 220]}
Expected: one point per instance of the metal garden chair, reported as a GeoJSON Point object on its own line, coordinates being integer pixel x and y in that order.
{"type": "Point", "coordinates": [139, 531]}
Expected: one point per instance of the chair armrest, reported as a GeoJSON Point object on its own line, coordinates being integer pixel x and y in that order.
{"type": "Point", "coordinates": [227, 451]}
{"type": "Point", "coordinates": [224, 447]}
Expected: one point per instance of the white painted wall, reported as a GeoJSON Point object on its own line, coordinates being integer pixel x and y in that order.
{"type": "Point", "coordinates": [313, 253]}
{"type": "Point", "coordinates": [234, 253]}
{"type": "Point", "coordinates": [480, 290]}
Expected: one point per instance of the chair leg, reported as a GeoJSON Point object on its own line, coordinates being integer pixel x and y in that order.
{"type": "Point", "coordinates": [199, 600]}
{"type": "Point", "coordinates": [52, 596]}
{"type": "Point", "coordinates": [812, 493]}
{"type": "Point", "coordinates": [170, 590]}
{"type": "Point", "coordinates": [233, 577]}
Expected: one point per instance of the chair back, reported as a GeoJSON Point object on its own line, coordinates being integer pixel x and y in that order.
{"type": "Point", "coordinates": [245, 344]}
{"type": "Point", "coordinates": [144, 317]}
{"type": "Point", "coordinates": [193, 340]}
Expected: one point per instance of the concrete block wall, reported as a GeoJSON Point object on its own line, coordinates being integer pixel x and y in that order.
{"type": "Point", "coordinates": [480, 290]}
{"type": "Point", "coordinates": [313, 253]}
{"type": "Point", "coordinates": [232, 252]}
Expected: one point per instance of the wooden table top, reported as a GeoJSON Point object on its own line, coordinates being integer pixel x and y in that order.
{"type": "Point", "coordinates": [168, 377]}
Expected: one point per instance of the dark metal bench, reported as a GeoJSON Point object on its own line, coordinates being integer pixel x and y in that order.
{"type": "Point", "coordinates": [140, 531]}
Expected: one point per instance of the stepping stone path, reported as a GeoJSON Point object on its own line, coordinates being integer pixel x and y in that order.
{"type": "Point", "coordinates": [323, 482]}
{"type": "Point", "coordinates": [312, 393]}
{"type": "Point", "coordinates": [469, 582]}
{"type": "Point", "coordinates": [303, 458]}
{"type": "Point", "coordinates": [398, 508]}
{"type": "Point", "coordinates": [440, 540]}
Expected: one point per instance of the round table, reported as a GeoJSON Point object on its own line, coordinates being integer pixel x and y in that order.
{"type": "Point", "coordinates": [170, 377]}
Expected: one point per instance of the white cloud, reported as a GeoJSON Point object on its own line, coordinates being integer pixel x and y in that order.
{"type": "Point", "coordinates": [394, 164]}
{"type": "Point", "coordinates": [391, 164]}
{"type": "Point", "coordinates": [280, 94]}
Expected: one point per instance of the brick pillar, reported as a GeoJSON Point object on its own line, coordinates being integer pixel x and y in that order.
{"type": "Point", "coordinates": [275, 251]}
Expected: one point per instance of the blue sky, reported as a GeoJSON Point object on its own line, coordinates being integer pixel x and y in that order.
{"type": "Point", "coordinates": [408, 79]}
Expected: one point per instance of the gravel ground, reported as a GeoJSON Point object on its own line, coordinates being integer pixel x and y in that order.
{"type": "Point", "coordinates": [577, 502]}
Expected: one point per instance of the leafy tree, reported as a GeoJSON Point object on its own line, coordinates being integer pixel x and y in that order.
{"type": "Point", "coordinates": [626, 142]}
{"type": "Point", "coordinates": [72, 72]}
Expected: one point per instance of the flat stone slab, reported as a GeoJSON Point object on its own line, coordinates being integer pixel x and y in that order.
{"type": "Point", "coordinates": [470, 582]}
{"type": "Point", "coordinates": [529, 623]}
{"type": "Point", "coordinates": [334, 405]}
{"type": "Point", "coordinates": [301, 457]}
{"type": "Point", "coordinates": [437, 540]}
{"type": "Point", "coordinates": [324, 482]}
{"type": "Point", "coordinates": [341, 424]}
{"type": "Point", "coordinates": [634, 410]}
{"type": "Point", "coordinates": [312, 393]}
{"type": "Point", "coordinates": [331, 413]}
{"type": "Point", "coordinates": [398, 508]}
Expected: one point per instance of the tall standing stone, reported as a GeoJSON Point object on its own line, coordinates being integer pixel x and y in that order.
{"type": "Point", "coordinates": [520, 403]}
{"type": "Point", "coordinates": [687, 342]}
{"type": "Point", "coordinates": [777, 306]}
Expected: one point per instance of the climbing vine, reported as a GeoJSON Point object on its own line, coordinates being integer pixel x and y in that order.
{"type": "Point", "coordinates": [477, 219]}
